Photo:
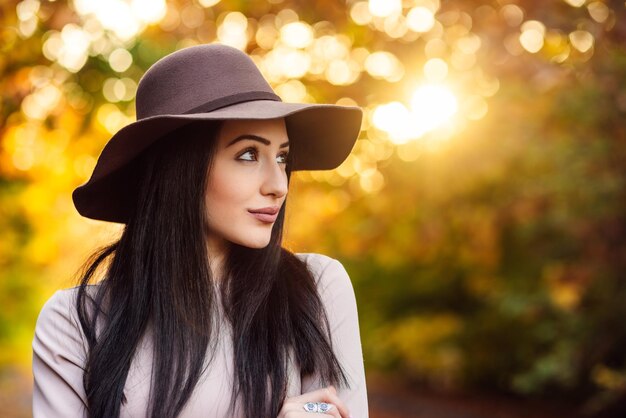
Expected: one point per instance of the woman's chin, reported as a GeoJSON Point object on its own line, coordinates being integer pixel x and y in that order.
{"type": "Point", "coordinates": [255, 243]}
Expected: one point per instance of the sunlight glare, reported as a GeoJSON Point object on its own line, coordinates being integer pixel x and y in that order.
{"type": "Point", "coordinates": [394, 118]}
{"type": "Point", "coordinates": [433, 105]}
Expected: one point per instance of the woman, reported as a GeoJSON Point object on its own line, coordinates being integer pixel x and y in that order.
{"type": "Point", "coordinates": [201, 311]}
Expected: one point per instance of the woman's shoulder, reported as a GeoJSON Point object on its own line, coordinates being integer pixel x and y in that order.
{"type": "Point", "coordinates": [59, 311]}
{"type": "Point", "coordinates": [320, 263]}
{"type": "Point", "coordinates": [64, 298]}
{"type": "Point", "coordinates": [316, 260]}
{"type": "Point", "coordinates": [58, 331]}
{"type": "Point", "coordinates": [327, 271]}
{"type": "Point", "coordinates": [57, 304]}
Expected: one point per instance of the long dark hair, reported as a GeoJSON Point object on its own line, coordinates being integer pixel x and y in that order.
{"type": "Point", "coordinates": [157, 278]}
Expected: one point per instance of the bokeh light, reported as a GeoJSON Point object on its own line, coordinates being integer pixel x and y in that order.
{"type": "Point", "coordinates": [342, 72]}
{"type": "Point", "coordinates": [360, 13]}
{"type": "Point", "coordinates": [435, 69]}
{"type": "Point", "coordinates": [383, 8]}
{"type": "Point", "coordinates": [385, 65]}
{"type": "Point", "coordinates": [233, 30]}
{"type": "Point", "coordinates": [41, 102]}
{"type": "Point", "coordinates": [575, 3]}
{"type": "Point", "coordinates": [120, 59]}
{"type": "Point", "coordinates": [296, 34]}
{"type": "Point", "coordinates": [532, 35]}
{"type": "Point", "coordinates": [512, 14]}
{"type": "Point", "coordinates": [581, 40]}
{"type": "Point", "coordinates": [111, 118]}
{"type": "Point", "coordinates": [208, 3]}
{"type": "Point", "coordinates": [117, 90]}
{"type": "Point", "coordinates": [192, 17]}
{"type": "Point", "coordinates": [598, 11]}
{"type": "Point", "coordinates": [420, 19]}
{"type": "Point", "coordinates": [124, 19]}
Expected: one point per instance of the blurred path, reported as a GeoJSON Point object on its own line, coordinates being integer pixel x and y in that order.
{"type": "Point", "coordinates": [15, 393]}
{"type": "Point", "coordinates": [389, 399]}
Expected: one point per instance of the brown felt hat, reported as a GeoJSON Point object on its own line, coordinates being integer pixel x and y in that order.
{"type": "Point", "coordinates": [209, 82]}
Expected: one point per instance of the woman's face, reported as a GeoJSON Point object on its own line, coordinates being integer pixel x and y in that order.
{"type": "Point", "coordinates": [247, 183]}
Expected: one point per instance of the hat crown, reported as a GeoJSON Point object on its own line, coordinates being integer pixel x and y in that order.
{"type": "Point", "coordinates": [200, 79]}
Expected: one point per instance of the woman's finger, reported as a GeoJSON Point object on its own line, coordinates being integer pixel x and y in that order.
{"type": "Point", "coordinates": [327, 394]}
{"type": "Point", "coordinates": [333, 411]}
{"type": "Point", "coordinates": [294, 408]}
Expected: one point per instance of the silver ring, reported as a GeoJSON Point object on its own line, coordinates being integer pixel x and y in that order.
{"type": "Point", "coordinates": [310, 406]}
{"type": "Point", "coordinates": [324, 407]}
{"type": "Point", "coordinates": [320, 407]}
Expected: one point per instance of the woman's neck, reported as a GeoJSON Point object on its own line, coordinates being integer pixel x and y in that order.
{"type": "Point", "coordinates": [217, 249]}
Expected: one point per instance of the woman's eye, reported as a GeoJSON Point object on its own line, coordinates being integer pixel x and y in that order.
{"type": "Point", "coordinates": [252, 155]}
{"type": "Point", "coordinates": [282, 158]}
{"type": "Point", "coordinates": [248, 155]}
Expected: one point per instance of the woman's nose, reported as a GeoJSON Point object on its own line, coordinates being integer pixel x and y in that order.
{"type": "Point", "coordinates": [275, 181]}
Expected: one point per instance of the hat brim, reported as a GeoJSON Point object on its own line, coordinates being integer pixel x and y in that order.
{"type": "Point", "coordinates": [322, 136]}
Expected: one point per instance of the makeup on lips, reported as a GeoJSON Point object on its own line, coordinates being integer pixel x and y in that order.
{"type": "Point", "coordinates": [267, 215]}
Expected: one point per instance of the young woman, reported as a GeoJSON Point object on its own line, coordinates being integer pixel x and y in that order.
{"type": "Point", "coordinates": [201, 312]}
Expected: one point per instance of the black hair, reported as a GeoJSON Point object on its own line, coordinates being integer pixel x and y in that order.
{"type": "Point", "coordinates": [157, 279]}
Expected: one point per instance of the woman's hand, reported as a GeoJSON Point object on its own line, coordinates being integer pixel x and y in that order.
{"type": "Point", "coordinates": [293, 407]}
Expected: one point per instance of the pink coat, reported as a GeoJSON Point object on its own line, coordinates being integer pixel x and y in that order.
{"type": "Point", "coordinates": [59, 352]}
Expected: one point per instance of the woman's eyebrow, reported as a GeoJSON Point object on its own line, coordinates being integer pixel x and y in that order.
{"type": "Point", "coordinates": [255, 138]}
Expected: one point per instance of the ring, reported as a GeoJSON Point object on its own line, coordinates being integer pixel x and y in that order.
{"type": "Point", "coordinates": [310, 407]}
{"type": "Point", "coordinates": [320, 407]}
{"type": "Point", "coordinates": [324, 407]}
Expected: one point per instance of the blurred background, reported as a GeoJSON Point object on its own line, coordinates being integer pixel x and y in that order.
{"type": "Point", "coordinates": [481, 215]}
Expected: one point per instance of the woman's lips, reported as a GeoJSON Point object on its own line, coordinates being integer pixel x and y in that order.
{"type": "Point", "coordinates": [267, 215]}
{"type": "Point", "coordinates": [264, 217]}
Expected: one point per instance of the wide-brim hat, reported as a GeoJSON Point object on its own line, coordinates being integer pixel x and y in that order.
{"type": "Point", "coordinates": [209, 83]}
